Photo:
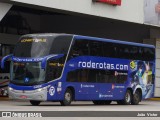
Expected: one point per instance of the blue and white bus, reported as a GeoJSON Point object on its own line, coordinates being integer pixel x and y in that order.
{"type": "Point", "coordinates": [66, 68]}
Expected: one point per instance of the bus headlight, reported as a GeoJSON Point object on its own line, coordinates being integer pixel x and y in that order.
{"type": "Point", "coordinates": [9, 88]}
{"type": "Point", "coordinates": [40, 89]}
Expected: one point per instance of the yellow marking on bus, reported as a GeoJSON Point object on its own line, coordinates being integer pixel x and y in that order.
{"type": "Point", "coordinates": [34, 40]}
{"type": "Point", "coordinates": [133, 64]}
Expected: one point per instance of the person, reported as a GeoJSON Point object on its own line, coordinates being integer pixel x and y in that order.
{"type": "Point", "coordinates": [152, 12]}
{"type": "Point", "coordinates": [28, 74]}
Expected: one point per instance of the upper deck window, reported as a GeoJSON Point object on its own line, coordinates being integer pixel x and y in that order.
{"type": "Point", "coordinates": [40, 46]}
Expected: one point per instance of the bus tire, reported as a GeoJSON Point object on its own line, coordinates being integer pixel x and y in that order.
{"type": "Point", "coordinates": [34, 102]}
{"type": "Point", "coordinates": [127, 99]}
{"type": "Point", "coordinates": [68, 96]}
{"type": "Point", "coordinates": [136, 98]}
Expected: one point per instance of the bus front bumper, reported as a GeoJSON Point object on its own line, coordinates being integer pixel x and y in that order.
{"type": "Point", "coordinates": [38, 94]}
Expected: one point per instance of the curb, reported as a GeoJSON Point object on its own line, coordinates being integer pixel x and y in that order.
{"type": "Point", "coordinates": [155, 99]}
{"type": "Point", "coordinates": [4, 98]}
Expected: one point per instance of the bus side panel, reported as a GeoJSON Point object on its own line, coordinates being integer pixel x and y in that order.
{"type": "Point", "coordinates": [140, 76]}
{"type": "Point", "coordinates": [56, 91]}
{"type": "Point", "coordinates": [106, 82]}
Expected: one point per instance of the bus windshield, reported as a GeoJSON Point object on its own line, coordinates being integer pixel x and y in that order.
{"type": "Point", "coordinates": [36, 46]}
{"type": "Point", "coordinates": [39, 46]}
{"type": "Point", "coordinates": [27, 73]}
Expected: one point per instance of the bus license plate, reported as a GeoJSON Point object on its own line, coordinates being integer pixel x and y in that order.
{"type": "Point", "coordinates": [23, 97]}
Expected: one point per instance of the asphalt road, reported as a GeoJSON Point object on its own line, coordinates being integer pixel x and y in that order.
{"type": "Point", "coordinates": [81, 109]}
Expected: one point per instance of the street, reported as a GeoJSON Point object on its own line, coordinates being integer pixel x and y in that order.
{"type": "Point", "coordinates": [83, 108]}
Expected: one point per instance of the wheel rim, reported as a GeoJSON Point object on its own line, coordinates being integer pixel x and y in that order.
{"type": "Point", "coordinates": [68, 97]}
{"type": "Point", "coordinates": [128, 97]}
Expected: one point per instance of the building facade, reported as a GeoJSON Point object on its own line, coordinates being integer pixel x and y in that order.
{"type": "Point", "coordinates": [127, 20]}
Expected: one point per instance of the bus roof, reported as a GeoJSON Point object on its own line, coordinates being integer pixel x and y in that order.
{"type": "Point", "coordinates": [90, 38]}
{"type": "Point", "coordinates": [113, 41]}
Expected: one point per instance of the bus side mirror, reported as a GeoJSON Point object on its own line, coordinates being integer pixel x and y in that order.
{"type": "Point", "coordinates": [5, 59]}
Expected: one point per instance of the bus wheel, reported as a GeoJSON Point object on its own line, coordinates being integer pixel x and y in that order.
{"type": "Point", "coordinates": [34, 102]}
{"type": "Point", "coordinates": [136, 98]}
{"type": "Point", "coordinates": [67, 98]}
{"type": "Point", "coordinates": [127, 99]}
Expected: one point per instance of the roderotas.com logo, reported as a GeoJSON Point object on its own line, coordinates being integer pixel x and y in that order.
{"type": "Point", "coordinates": [102, 65]}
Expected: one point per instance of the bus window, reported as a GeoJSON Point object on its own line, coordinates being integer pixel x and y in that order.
{"type": "Point", "coordinates": [54, 69]}
{"type": "Point", "coordinates": [109, 49]}
{"type": "Point", "coordinates": [141, 53]}
{"type": "Point", "coordinates": [93, 76]}
{"type": "Point", "coordinates": [80, 75]}
{"type": "Point", "coordinates": [120, 77]}
{"type": "Point", "coordinates": [79, 48]}
{"type": "Point", "coordinates": [95, 48]}
{"type": "Point", "coordinates": [125, 53]}
{"type": "Point", "coordinates": [83, 75]}
{"type": "Point", "coordinates": [148, 54]}
{"type": "Point", "coordinates": [42, 46]}
{"type": "Point", "coordinates": [97, 76]}
{"type": "Point", "coordinates": [61, 45]}
{"type": "Point", "coordinates": [72, 76]}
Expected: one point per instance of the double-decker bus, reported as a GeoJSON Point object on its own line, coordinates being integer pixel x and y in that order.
{"type": "Point", "coordinates": [66, 67]}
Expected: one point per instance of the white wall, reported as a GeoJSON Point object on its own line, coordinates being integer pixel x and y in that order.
{"type": "Point", "coordinates": [130, 10]}
{"type": "Point", "coordinates": [4, 9]}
